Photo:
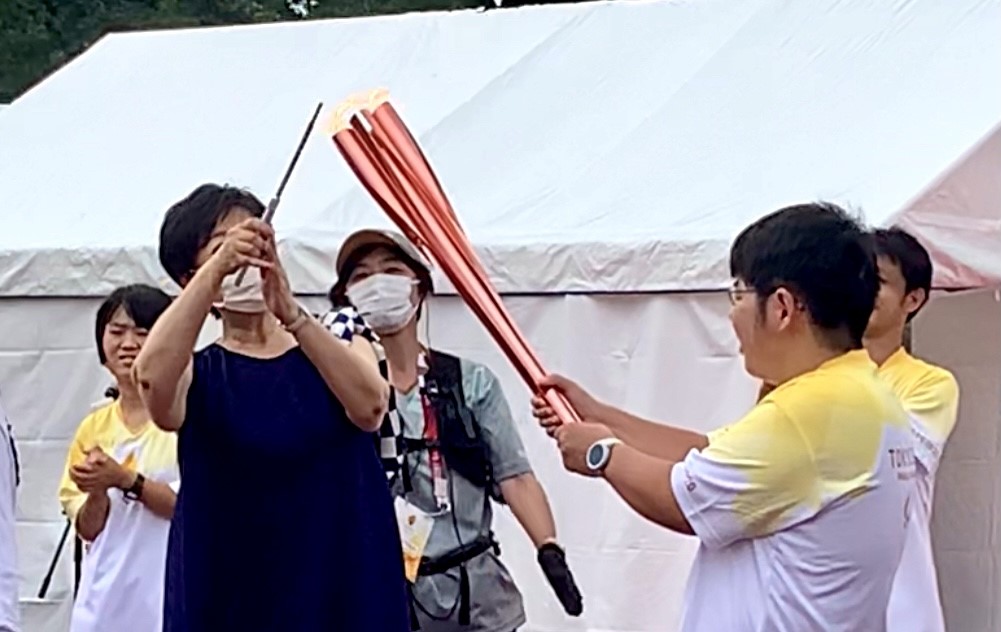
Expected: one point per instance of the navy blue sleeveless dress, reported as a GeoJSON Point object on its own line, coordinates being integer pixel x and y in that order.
{"type": "Point", "coordinates": [284, 521]}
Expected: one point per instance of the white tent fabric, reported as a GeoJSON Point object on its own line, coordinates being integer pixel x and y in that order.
{"type": "Point", "coordinates": [966, 241]}
{"type": "Point", "coordinates": [592, 147]}
{"type": "Point", "coordinates": [588, 149]}
{"type": "Point", "coordinates": [962, 332]}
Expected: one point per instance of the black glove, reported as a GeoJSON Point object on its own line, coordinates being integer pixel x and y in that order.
{"type": "Point", "coordinates": [553, 561]}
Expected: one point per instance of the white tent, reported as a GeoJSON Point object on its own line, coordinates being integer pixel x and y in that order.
{"type": "Point", "coordinates": [601, 157]}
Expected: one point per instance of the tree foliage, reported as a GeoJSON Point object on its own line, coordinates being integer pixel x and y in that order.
{"type": "Point", "coordinates": [39, 36]}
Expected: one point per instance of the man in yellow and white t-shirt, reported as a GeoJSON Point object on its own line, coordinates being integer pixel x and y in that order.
{"type": "Point", "coordinates": [930, 395]}
{"type": "Point", "coordinates": [801, 507]}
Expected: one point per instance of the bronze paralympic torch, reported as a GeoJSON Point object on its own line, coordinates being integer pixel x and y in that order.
{"type": "Point", "coordinates": [385, 157]}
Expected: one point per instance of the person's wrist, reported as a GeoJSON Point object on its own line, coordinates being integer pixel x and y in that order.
{"type": "Point", "coordinates": [604, 416]}
{"type": "Point", "coordinates": [291, 312]}
{"type": "Point", "coordinates": [213, 272]}
{"type": "Point", "coordinates": [613, 445]}
{"type": "Point", "coordinates": [616, 451]}
{"type": "Point", "coordinates": [293, 320]}
{"type": "Point", "coordinates": [126, 480]}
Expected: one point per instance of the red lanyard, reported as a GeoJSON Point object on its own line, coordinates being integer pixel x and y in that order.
{"type": "Point", "coordinates": [439, 481]}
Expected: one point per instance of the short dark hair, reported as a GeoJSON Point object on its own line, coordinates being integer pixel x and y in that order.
{"type": "Point", "coordinates": [188, 224]}
{"type": "Point", "coordinates": [823, 256]}
{"type": "Point", "coordinates": [338, 293]}
{"type": "Point", "coordinates": [142, 303]}
{"type": "Point", "coordinates": [907, 253]}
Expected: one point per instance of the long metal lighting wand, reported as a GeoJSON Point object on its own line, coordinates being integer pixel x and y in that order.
{"type": "Point", "coordinates": [273, 204]}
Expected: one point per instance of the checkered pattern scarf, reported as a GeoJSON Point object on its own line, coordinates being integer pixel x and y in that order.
{"type": "Point", "coordinates": [345, 324]}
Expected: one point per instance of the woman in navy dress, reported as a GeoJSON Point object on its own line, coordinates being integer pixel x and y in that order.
{"type": "Point", "coordinates": [284, 522]}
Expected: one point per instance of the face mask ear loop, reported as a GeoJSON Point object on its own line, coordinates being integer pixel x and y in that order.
{"type": "Point", "coordinates": [424, 307]}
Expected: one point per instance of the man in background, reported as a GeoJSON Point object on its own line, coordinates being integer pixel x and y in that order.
{"type": "Point", "coordinates": [9, 476]}
{"type": "Point", "coordinates": [930, 395]}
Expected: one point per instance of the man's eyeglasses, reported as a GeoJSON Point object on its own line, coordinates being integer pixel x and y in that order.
{"type": "Point", "coordinates": [736, 293]}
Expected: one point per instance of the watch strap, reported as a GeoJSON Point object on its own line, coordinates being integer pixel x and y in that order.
{"type": "Point", "coordinates": [135, 492]}
{"type": "Point", "coordinates": [607, 444]}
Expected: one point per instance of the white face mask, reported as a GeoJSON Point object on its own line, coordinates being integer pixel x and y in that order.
{"type": "Point", "coordinates": [384, 301]}
{"type": "Point", "coordinates": [248, 298]}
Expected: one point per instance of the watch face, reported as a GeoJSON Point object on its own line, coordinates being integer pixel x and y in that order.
{"type": "Point", "coordinates": [594, 456]}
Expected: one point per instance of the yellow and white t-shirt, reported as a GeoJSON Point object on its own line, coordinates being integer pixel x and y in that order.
{"type": "Point", "coordinates": [930, 396]}
{"type": "Point", "coordinates": [800, 507]}
{"type": "Point", "coordinates": [121, 584]}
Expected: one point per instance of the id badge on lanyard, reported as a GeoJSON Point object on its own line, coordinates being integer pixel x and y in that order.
{"type": "Point", "coordinates": [439, 480]}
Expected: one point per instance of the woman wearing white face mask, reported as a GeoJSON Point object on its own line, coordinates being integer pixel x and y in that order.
{"type": "Point", "coordinates": [448, 445]}
{"type": "Point", "coordinates": [284, 521]}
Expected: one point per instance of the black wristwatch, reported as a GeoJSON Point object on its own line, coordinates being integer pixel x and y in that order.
{"type": "Point", "coordinates": [136, 491]}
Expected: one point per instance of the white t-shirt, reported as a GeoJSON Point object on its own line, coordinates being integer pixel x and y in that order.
{"type": "Point", "coordinates": [801, 507]}
{"type": "Point", "coordinates": [122, 576]}
{"type": "Point", "coordinates": [930, 396]}
{"type": "Point", "coordinates": [9, 579]}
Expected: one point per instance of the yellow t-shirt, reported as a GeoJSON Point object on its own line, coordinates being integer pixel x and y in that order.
{"type": "Point", "coordinates": [121, 584]}
{"type": "Point", "coordinates": [930, 395]}
{"type": "Point", "coordinates": [800, 507]}
{"type": "Point", "coordinates": [150, 451]}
